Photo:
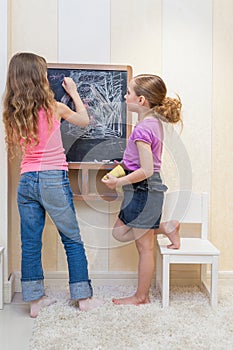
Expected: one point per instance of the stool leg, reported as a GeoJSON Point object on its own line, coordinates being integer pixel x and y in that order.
{"type": "Point", "coordinates": [214, 282]}
{"type": "Point", "coordinates": [165, 281]}
{"type": "Point", "coordinates": [203, 273]}
{"type": "Point", "coordinates": [158, 269]}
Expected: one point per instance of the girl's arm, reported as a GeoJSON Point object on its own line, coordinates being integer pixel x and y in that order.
{"type": "Point", "coordinates": [80, 116]}
{"type": "Point", "coordinates": [145, 171]}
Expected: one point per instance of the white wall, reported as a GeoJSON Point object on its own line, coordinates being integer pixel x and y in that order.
{"type": "Point", "coordinates": [3, 155]}
{"type": "Point", "coordinates": [84, 31]}
{"type": "Point", "coordinates": [172, 38]}
{"type": "Point", "coordinates": [33, 27]}
{"type": "Point", "coordinates": [136, 34]}
{"type": "Point", "coordinates": [187, 69]}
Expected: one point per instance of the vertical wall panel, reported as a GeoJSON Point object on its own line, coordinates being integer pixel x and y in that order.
{"type": "Point", "coordinates": [84, 31]}
{"type": "Point", "coordinates": [3, 155]}
{"type": "Point", "coordinates": [135, 40]}
{"type": "Point", "coordinates": [222, 140]}
{"type": "Point", "coordinates": [136, 34]}
{"type": "Point", "coordinates": [34, 27]}
{"type": "Point", "coordinates": [187, 70]}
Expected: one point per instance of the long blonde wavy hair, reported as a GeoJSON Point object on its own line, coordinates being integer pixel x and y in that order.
{"type": "Point", "coordinates": [27, 91]}
{"type": "Point", "coordinates": [153, 88]}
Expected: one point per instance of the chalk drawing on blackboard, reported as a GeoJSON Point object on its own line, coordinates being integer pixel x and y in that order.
{"type": "Point", "coordinates": [102, 92]}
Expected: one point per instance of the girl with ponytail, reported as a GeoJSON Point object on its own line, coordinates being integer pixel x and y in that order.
{"type": "Point", "coordinates": [141, 209]}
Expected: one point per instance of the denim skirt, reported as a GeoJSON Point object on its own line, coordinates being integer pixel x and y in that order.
{"type": "Point", "coordinates": [143, 202]}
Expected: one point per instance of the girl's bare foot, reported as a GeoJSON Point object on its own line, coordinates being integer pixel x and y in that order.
{"type": "Point", "coordinates": [174, 236]}
{"type": "Point", "coordinates": [37, 305]}
{"type": "Point", "coordinates": [89, 304]}
{"type": "Point", "coordinates": [133, 300]}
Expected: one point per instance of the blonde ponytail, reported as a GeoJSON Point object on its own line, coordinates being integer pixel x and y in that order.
{"type": "Point", "coordinates": [169, 109]}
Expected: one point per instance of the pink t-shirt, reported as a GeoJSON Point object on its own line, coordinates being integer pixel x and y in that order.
{"type": "Point", "coordinates": [49, 153]}
{"type": "Point", "coordinates": [149, 130]}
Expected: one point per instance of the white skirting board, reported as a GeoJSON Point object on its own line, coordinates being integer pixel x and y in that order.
{"type": "Point", "coordinates": [99, 278]}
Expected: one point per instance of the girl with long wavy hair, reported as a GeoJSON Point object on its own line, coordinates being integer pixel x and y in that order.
{"type": "Point", "coordinates": [32, 124]}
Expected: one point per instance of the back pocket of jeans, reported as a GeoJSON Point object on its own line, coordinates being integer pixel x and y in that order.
{"type": "Point", "coordinates": [156, 186]}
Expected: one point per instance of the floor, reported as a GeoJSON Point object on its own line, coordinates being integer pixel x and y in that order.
{"type": "Point", "coordinates": [15, 325]}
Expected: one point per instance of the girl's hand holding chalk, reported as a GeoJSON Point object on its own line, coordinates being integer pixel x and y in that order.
{"type": "Point", "coordinates": [70, 86]}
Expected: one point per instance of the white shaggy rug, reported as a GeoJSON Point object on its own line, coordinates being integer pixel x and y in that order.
{"type": "Point", "coordinates": [189, 323]}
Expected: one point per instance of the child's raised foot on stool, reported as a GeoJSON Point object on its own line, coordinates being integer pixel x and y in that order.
{"type": "Point", "coordinates": [174, 236]}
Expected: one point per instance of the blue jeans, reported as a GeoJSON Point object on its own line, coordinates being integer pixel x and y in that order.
{"type": "Point", "coordinates": [49, 191]}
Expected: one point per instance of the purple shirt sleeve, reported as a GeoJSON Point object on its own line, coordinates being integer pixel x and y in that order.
{"type": "Point", "coordinates": [142, 134]}
{"type": "Point", "coordinates": [149, 131]}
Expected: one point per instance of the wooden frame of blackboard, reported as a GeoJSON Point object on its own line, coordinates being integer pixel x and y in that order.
{"type": "Point", "coordinates": [90, 70]}
{"type": "Point", "coordinates": [80, 170]}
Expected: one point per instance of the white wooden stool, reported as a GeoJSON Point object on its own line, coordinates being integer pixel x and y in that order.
{"type": "Point", "coordinates": [193, 250]}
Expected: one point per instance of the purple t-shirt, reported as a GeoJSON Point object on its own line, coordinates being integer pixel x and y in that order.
{"type": "Point", "coordinates": [149, 130]}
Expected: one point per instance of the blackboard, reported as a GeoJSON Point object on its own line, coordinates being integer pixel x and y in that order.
{"type": "Point", "coordinates": [102, 89]}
